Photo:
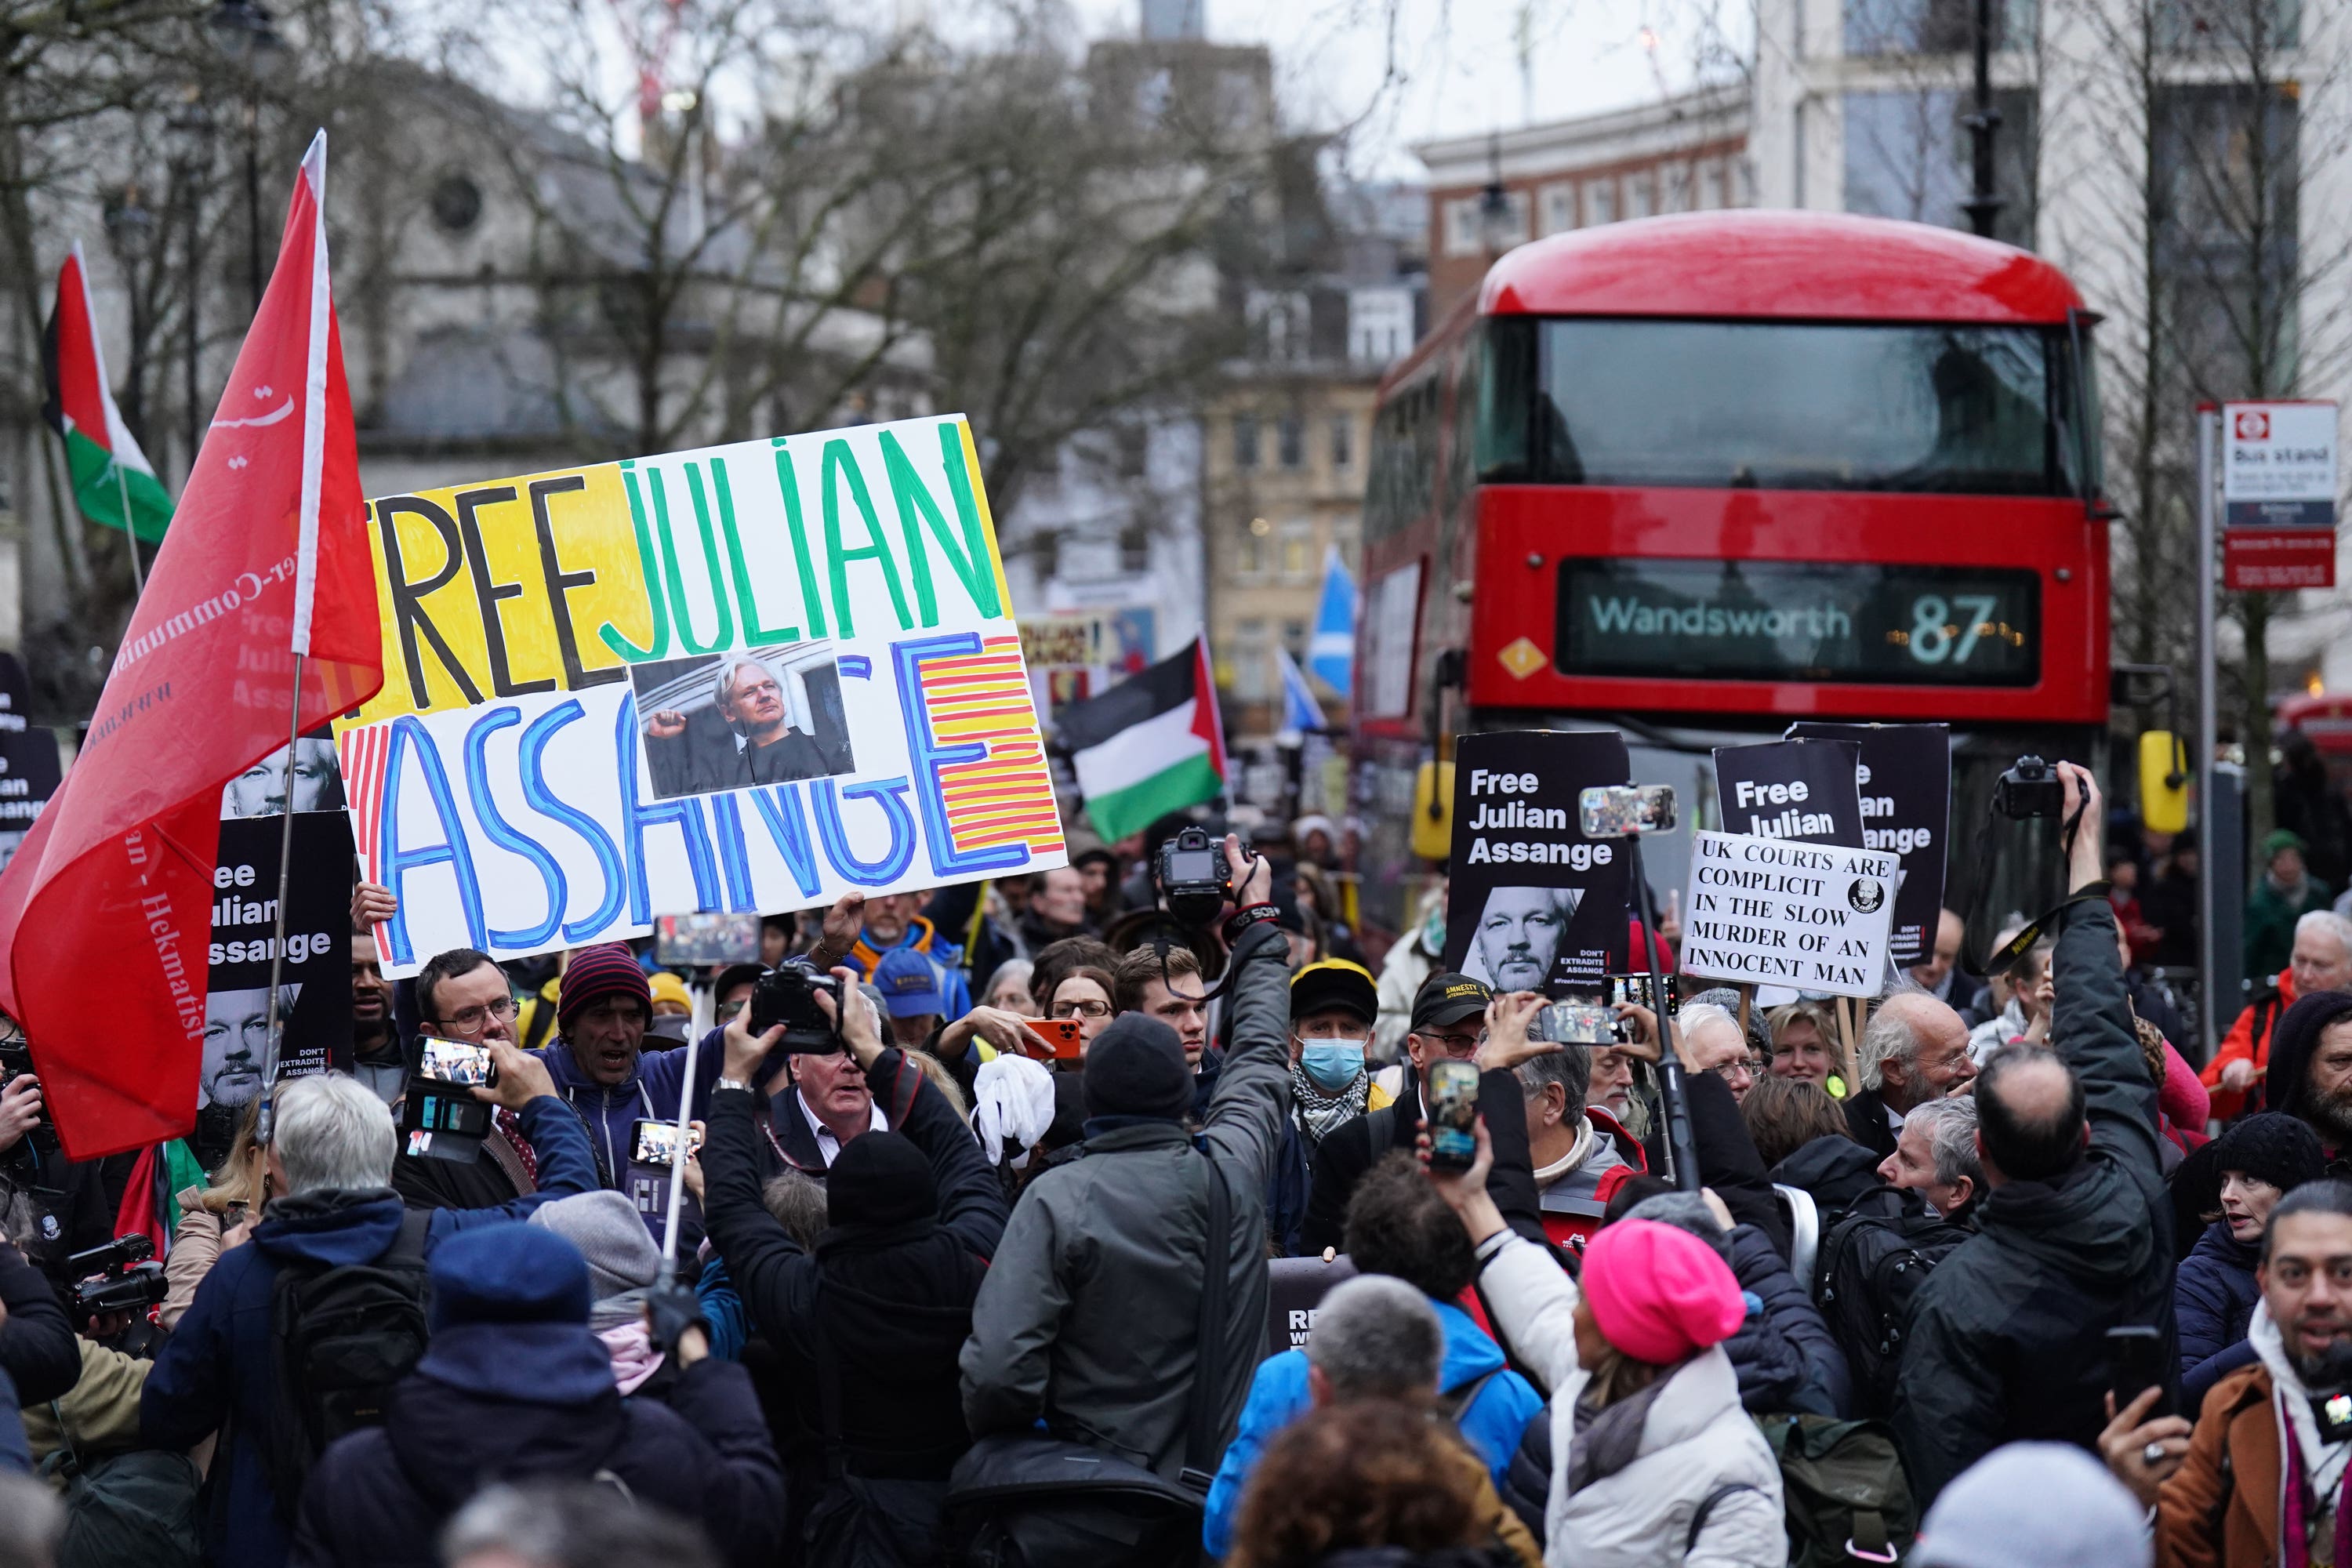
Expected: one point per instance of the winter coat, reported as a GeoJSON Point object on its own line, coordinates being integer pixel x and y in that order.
{"type": "Point", "coordinates": [2223, 1508]}
{"type": "Point", "coordinates": [2008, 1338]}
{"type": "Point", "coordinates": [1088, 1317]}
{"type": "Point", "coordinates": [1352, 1148]}
{"type": "Point", "coordinates": [513, 1402]}
{"type": "Point", "coordinates": [2268, 935]}
{"type": "Point", "coordinates": [607, 1110]}
{"type": "Point", "coordinates": [2213, 1299]}
{"type": "Point", "coordinates": [1490, 1423]}
{"type": "Point", "coordinates": [1786, 1347]}
{"type": "Point", "coordinates": [1865, 1117]}
{"type": "Point", "coordinates": [2250, 1038]}
{"type": "Point", "coordinates": [196, 1248]}
{"type": "Point", "coordinates": [36, 1342]}
{"type": "Point", "coordinates": [101, 1415]}
{"type": "Point", "coordinates": [894, 1302]}
{"type": "Point", "coordinates": [1695, 1439]}
{"type": "Point", "coordinates": [221, 1360]}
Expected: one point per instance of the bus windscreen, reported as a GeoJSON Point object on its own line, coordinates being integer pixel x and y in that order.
{"type": "Point", "coordinates": [1917, 409]}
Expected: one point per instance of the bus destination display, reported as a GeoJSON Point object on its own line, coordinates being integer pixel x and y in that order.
{"type": "Point", "coordinates": [1799, 620]}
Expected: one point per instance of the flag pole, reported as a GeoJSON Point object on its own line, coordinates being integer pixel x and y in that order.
{"type": "Point", "coordinates": [129, 534]}
{"type": "Point", "coordinates": [278, 945]}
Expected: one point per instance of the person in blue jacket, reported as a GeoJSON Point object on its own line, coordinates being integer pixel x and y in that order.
{"type": "Point", "coordinates": [1397, 1225]}
{"type": "Point", "coordinates": [330, 1164]}
{"type": "Point", "coordinates": [2261, 1159]}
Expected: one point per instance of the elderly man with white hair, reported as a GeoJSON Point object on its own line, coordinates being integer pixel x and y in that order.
{"type": "Point", "coordinates": [763, 747]}
{"type": "Point", "coordinates": [330, 1161]}
{"type": "Point", "coordinates": [2320, 961]}
{"type": "Point", "coordinates": [1914, 1049]}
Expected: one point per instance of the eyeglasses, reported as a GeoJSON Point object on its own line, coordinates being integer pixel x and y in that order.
{"type": "Point", "coordinates": [468, 1019]}
{"type": "Point", "coordinates": [1458, 1045]}
{"type": "Point", "coordinates": [1086, 1009]}
{"type": "Point", "coordinates": [727, 1010]}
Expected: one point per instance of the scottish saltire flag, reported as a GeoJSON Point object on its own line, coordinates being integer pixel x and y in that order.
{"type": "Point", "coordinates": [113, 479]}
{"type": "Point", "coordinates": [1332, 653]}
{"type": "Point", "coordinates": [1300, 711]}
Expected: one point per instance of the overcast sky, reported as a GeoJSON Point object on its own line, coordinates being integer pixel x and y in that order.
{"type": "Point", "coordinates": [1453, 68]}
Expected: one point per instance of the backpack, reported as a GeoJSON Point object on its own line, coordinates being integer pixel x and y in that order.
{"type": "Point", "coordinates": [1871, 1269]}
{"type": "Point", "coordinates": [1847, 1497]}
{"type": "Point", "coordinates": [344, 1336]}
{"type": "Point", "coordinates": [139, 1507]}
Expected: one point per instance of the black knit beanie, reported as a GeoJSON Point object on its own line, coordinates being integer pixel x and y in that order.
{"type": "Point", "coordinates": [2271, 1147]}
{"type": "Point", "coordinates": [879, 1178]}
{"type": "Point", "coordinates": [1136, 1068]}
{"type": "Point", "coordinates": [2293, 1042]}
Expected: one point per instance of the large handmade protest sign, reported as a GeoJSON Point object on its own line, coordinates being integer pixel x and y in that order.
{"type": "Point", "coordinates": [1775, 911]}
{"type": "Point", "coordinates": [745, 678]}
{"type": "Point", "coordinates": [1905, 783]}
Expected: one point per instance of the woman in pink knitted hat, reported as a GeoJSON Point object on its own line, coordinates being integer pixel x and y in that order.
{"type": "Point", "coordinates": [1653, 1461]}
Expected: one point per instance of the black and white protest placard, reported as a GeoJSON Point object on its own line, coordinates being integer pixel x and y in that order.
{"type": "Point", "coordinates": [315, 1004]}
{"type": "Point", "coordinates": [1771, 911]}
{"type": "Point", "coordinates": [1906, 808]}
{"type": "Point", "coordinates": [30, 774]}
{"type": "Point", "coordinates": [1532, 904]}
{"type": "Point", "coordinates": [1803, 790]}
{"type": "Point", "coordinates": [1295, 1291]}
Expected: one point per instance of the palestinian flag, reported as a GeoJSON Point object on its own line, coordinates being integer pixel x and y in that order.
{"type": "Point", "coordinates": [1151, 744]}
{"type": "Point", "coordinates": [108, 466]}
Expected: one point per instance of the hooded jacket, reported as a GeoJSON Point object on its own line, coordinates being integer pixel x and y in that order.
{"type": "Point", "coordinates": [1694, 1440]}
{"type": "Point", "coordinates": [651, 1091]}
{"type": "Point", "coordinates": [1843, 1178]}
{"type": "Point", "coordinates": [2292, 1043]}
{"type": "Point", "coordinates": [1089, 1319]}
{"type": "Point", "coordinates": [513, 1402]}
{"type": "Point", "coordinates": [1784, 1354]}
{"type": "Point", "coordinates": [1490, 1423]}
{"type": "Point", "coordinates": [893, 1302]}
{"type": "Point", "coordinates": [2213, 1299]}
{"type": "Point", "coordinates": [221, 1362]}
{"type": "Point", "coordinates": [2008, 1336]}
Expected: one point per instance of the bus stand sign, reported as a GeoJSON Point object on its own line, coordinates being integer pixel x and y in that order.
{"type": "Point", "coordinates": [2278, 495]}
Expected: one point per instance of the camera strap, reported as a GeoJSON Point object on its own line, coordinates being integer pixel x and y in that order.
{"type": "Point", "coordinates": [1999, 960]}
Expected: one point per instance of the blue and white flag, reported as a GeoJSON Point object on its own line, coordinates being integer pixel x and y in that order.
{"type": "Point", "coordinates": [1300, 711]}
{"type": "Point", "coordinates": [1332, 653]}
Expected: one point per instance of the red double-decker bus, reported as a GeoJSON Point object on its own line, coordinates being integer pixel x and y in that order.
{"type": "Point", "coordinates": [1697, 476]}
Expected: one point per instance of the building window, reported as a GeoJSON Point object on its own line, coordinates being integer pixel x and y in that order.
{"type": "Point", "coordinates": [1135, 548]}
{"type": "Point", "coordinates": [1710, 186]}
{"type": "Point", "coordinates": [1462, 236]}
{"type": "Point", "coordinates": [1343, 440]}
{"type": "Point", "coordinates": [1642, 194]}
{"type": "Point", "coordinates": [1290, 441]}
{"type": "Point", "coordinates": [1600, 202]}
{"type": "Point", "coordinates": [1281, 321]}
{"type": "Point", "coordinates": [1380, 324]}
{"type": "Point", "coordinates": [1559, 208]}
{"type": "Point", "coordinates": [1907, 156]}
{"type": "Point", "coordinates": [1518, 212]}
{"type": "Point", "coordinates": [1932, 26]}
{"type": "Point", "coordinates": [1297, 540]}
{"type": "Point", "coordinates": [1245, 453]}
{"type": "Point", "coordinates": [1251, 656]}
{"type": "Point", "coordinates": [1250, 559]}
{"type": "Point", "coordinates": [1294, 638]}
{"type": "Point", "coordinates": [2239, 27]}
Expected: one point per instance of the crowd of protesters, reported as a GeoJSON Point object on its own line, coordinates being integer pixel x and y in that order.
{"type": "Point", "coordinates": [1083, 1234]}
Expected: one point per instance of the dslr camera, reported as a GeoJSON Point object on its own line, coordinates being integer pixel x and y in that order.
{"type": "Point", "coordinates": [1190, 873]}
{"type": "Point", "coordinates": [787, 995]}
{"type": "Point", "coordinates": [2028, 790]}
{"type": "Point", "coordinates": [121, 1277]}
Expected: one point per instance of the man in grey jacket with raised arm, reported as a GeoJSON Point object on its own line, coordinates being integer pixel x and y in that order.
{"type": "Point", "coordinates": [1087, 1318]}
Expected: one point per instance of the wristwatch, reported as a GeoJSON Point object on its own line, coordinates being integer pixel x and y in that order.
{"type": "Point", "coordinates": [733, 1083]}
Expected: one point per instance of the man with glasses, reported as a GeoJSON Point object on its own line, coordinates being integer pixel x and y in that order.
{"type": "Point", "coordinates": [1449, 1015]}
{"type": "Point", "coordinates": [463, 995]}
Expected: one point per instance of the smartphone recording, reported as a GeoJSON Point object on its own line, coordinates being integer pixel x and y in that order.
{"type": "Point", "coordinates": [454, 1061]}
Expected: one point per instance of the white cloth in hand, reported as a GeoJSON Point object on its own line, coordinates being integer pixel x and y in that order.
{"type": "Point", "coordinates": [1013, 1097]}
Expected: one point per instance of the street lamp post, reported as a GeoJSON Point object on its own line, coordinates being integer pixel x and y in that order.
{"type": "Point", "coordinates": [1495, 224]}
{"type": "Point", "coordinates": [189, 131]}
{"type": "Point", "coordinates": [249, 38]}
{"type": "Point", "coordinates": [1983, 205]}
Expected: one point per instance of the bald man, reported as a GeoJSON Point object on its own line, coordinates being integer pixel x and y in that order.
{"type": "Point", "coordinates": [1914, 1049]}
{"type": "Point", "coordinates": [2008, 1338]}
{"type": "Point", "coordinates": [1941, 976]}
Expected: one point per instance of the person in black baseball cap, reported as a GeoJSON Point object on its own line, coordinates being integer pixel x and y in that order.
{"type": "Point", "coordinates": [1449, 1014]}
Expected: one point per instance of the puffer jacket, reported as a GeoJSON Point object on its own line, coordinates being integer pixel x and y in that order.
{"type": "Point", "coordinates": [1087, 1319]}
{"type": "Point", "coordinates": [2008, 1338]}
{"type": "Point", "coordinates": [1696, 1440]}
{"type": "Point", "coordinates": [2213, 1299]}
{"type": "Point", "coordinates": [1784, 1354]}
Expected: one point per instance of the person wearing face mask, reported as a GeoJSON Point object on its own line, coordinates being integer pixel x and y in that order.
{"type": "Point", "coordinates": [1332, 1006]}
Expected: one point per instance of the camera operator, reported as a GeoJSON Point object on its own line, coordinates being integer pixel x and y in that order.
{"type": "Point", "coordinates": [1088, 1316]}
{"type": "Point", "coordinates": [115, 1345]}
{"type": "Point", "coordinates": [2008, 1336]}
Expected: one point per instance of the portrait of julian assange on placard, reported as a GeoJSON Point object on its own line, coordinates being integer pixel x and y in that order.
{"type": "Point", "coordinates": [237, 1043]}
{"type": "Point", "coordinates": [1517, 938]}
{"type": "Point", "coordinates": [730, 720]}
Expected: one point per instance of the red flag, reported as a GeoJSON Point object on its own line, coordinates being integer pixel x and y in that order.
{"type": "Point", "coordinates": [106, 910]}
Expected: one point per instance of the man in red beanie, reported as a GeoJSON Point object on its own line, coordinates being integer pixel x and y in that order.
{"type": "Point", "coordinates": [1650, 1443]}
{"type": "Point", "coordinates": [600, 1066]}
